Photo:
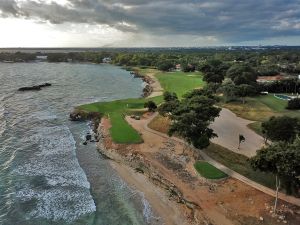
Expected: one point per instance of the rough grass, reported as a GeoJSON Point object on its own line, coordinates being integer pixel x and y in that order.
{"type": "Point", "coordinates": [180, 82]}
{"type": "Point", "coordinates": [256, 127]}
{"type": "Point", "coordinates": [261, 108]}
{"type": "Point", "coordinates": [209, 171]}
{"type": "Point", "coordinates": [240, 164]}
{"type": "Point", "coordinates": [160, 123]}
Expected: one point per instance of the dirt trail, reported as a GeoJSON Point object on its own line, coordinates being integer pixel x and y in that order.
{"type": "Point", "coordinates": [157, 88]}
{"type": "Point", "coordinates": [221, 201]}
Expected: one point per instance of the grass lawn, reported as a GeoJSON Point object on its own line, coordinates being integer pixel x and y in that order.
{"type": "Point", "coordinates": [240, 164]}
{"type": "Point", "coordinates": [209, 171]}
{"type": "Point", "coordinates": [261, 108]}
{"type": "Point", "coordinates": [121, 131]}
{"type": "Point", "coordinates": [180, 82]}
{"type": "Point", "coordinates": [256, 127]}
{"type": "Point", "coordinates": [276, 104]}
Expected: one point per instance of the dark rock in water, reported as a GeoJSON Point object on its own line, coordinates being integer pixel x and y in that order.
{"type": "Point", "coordinates": [45, 85]}
{"type": "Point", "coordinates": [76, 116]}
{"type": "Point", "coordinates": [84, 143]}
{"type": "Point", "coordinates": [88, 137]}
{"type": "Point", "coordinates": [35, 87]}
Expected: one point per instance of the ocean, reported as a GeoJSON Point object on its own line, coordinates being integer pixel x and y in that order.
{"type": "Point", "coordinates": [47, 176]}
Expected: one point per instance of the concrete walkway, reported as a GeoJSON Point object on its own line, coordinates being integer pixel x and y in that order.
{"type": "Point", "coordinates": [269, 191]}
{"type": "Point", "coordinates": [228, 127]}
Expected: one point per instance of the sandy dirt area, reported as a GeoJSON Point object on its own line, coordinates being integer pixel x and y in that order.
{"type": "Point", "coordinates": [157, 89]}
{"type": "Point", "coordinates": [224, 202]}
{"type": "Point", "coordinates": [167, 211]}
{"type": "Point", "coordinates": [228, 127]}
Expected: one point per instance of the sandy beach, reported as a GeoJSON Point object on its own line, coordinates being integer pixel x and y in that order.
{"type": "Point", "coordinates": [167, 211]}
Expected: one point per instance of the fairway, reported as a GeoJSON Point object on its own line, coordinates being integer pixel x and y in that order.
{"type": "Point", "coordinates": [209, 171]}
{"type": "Point", "coordinates": [121, 132]}
{"type": "Point", "coordinates": [180, 82]}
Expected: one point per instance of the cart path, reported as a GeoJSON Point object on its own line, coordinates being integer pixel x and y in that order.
{"type": "Point", "coordinates": [266, 190]}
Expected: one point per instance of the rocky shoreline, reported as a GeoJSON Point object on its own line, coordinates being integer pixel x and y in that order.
{"type": "Point", "coordinates": [125, 155]}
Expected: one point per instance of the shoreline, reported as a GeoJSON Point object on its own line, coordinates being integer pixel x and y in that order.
{"type": "Point", "coordinates": [188, 198]}
{"type": "Point", "coordinates": [139, 176]}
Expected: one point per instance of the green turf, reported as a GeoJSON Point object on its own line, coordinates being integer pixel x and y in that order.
{"type": "Point", "coordinates": [240, 164]}
{"type": "Point", "coordinates": [209, 171]}
{"type": "Point", "coordinates": [276, 104]}
{"type": "Point", "coordinates": [260, 108]}
{"type": "Point", "coordinates": [121, 131]}
{"type": "Point", "coordinates": [256, 127]}
{"type": "Point", "coordinates": [180, 82]}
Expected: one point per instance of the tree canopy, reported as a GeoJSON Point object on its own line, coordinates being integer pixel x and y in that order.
{"type": "Point", "coordinates": [191, 118]}
{"type": "Point", "coordinates": [213, 71]}
{"type": "Point", "coordinates": [283, 160]}
{"type": "Point", "coordinates": [242, 74]}
{"type": "Point", "coordinates": [282, 128]}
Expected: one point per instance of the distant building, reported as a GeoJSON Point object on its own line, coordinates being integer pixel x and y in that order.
{"type": "Point", "coordinates": [41, 58]}
{"type": "Point", "coordinates": [178, 67]}
{"type": "Point", "coordinates": [264, 79]}
{"type": "Point", "coordinates": [106, 60]}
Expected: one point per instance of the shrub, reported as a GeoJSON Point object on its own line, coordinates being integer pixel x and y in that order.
{"type": "Point", "coordinates": [294, 104]}
{"type": "Point", "coordinates": [151, 106]}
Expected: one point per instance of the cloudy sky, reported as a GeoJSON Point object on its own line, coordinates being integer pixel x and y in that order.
{"type": "Point", "coordinates": [148, 23]}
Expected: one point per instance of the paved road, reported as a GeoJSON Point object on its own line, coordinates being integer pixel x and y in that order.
{"type": "Point", "coordinates": [228, 127]}
{"type": "Point", "coordinates": [271, 192]}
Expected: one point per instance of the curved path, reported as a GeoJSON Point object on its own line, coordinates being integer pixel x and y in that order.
{"type": "Point", "coordinates": [157, 90]}
{"type": "Point", "coordinates": [228, 126]}
{"type": "Point", "coordinates": [269, 191]}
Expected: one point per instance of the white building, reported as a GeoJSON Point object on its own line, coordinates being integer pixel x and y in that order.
{"type": "Point", "coordinates": [41, 58]}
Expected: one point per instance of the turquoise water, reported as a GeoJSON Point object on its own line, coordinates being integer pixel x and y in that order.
{"type": "Point", "coordinates": [46, 175]}
{"type": "Point", "coordinates": [283, 97]}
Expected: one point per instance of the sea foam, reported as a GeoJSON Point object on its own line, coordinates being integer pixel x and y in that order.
{"type": "Point", "coordinates": [67, 193]}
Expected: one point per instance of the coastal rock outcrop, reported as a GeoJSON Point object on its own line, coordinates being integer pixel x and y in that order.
{"type": "Point", "coordinates": [35, 87]}
{"type": "Point", "coordinates": [142, 165]}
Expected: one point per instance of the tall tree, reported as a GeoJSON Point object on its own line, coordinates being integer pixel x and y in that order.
{"type": "Point", "coordinates": [282, 159]}
{"type": "Point", "coordinates": [242, 74]}
{"type": "Point", "coordinates": [213, 71]}
{"type": "Point", "coordinates": [282, 128]}
{"type": "Point", "coordinates": [245, 90]}
{"type": "Point", "coordinates": [191, 119]}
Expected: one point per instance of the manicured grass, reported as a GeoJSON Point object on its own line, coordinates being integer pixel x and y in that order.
{"type": "Point", "coordinates": [120, 131]}
{"type": "Point", "coordinates": [180, 82]}
{"type": "Point", "coordinates": [276, 104]}
{"type": "Point", "coordinates": [209, 171]}
{"type": "Point", "coordinates": [240, 164]}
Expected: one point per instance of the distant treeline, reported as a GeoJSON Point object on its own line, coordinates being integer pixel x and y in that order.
{"type": "Point", "coordinates": [264, 62]}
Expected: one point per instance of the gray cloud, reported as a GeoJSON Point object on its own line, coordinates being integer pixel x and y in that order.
{"type": "Point", "coordinates": [229, 21]}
